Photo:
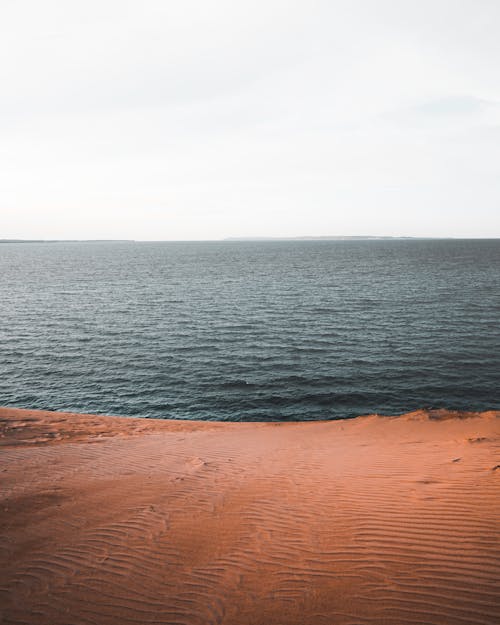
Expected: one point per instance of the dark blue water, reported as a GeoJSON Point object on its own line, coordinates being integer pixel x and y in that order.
{"type": "Point", "coordinates": [250, 330]}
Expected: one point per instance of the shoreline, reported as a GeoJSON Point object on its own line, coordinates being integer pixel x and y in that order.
{"type": "Point", "coordinates": [367, 520]}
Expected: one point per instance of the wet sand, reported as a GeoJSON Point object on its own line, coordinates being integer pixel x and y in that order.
{"type": "Point", "coordinates": [374, 520]}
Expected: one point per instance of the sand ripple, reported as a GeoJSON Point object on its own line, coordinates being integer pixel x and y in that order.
{"type": "Point", "coordinates": [371, 521]}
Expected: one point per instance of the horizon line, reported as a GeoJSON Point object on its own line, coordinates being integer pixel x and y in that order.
{"type": "Point", "coordinates": [254, 238]}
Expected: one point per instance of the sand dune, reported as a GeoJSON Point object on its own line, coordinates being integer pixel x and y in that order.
{"type": "Point", "coordinates": [375, 520]}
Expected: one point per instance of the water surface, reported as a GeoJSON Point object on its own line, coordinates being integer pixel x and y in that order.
{"type": "Point", "coordinates": [272, 330]}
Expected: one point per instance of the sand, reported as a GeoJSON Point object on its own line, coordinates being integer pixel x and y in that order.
{"type": "Point", "coordinates": [375, 520]}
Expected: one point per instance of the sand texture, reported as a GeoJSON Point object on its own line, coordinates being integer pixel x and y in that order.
{"type": "Point", "coordinates": [375, 520]}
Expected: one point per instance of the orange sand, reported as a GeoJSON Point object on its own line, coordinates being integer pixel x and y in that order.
{"type": "Point", "coordinates": [375, 520]}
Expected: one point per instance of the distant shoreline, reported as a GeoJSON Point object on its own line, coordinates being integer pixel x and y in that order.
{"type": "Point", "coordinates": [67, 241]}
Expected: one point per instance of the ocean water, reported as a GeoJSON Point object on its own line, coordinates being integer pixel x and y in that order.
{"type": "Point", "coordinates": [250, 331]}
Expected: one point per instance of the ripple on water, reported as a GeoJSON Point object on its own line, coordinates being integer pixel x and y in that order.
{"type": "Point", "coordinates": [250, 330]}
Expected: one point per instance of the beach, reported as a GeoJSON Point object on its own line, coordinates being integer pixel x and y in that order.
{"type": "Point", "coordinates": [374, 520]}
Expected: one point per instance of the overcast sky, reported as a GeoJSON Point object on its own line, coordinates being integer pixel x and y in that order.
{"type": "Point", "coordinates": [200, 119]}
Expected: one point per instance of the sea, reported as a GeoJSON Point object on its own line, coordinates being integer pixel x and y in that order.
{"type": "Point", "coordinates": [250, 330]}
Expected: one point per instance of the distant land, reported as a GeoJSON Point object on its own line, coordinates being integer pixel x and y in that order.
{"type": "Point", "coordinates": [323, 238]}
{"type": "Point", "coordinates": [67, 241]}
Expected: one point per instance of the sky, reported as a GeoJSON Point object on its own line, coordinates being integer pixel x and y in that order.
{"type": "Point", "coordinates": [202, 119]}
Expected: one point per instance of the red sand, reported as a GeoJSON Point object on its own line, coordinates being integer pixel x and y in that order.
{"type": "Point", "coordinates": [375, 520]}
